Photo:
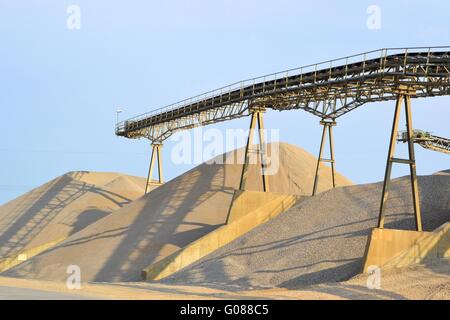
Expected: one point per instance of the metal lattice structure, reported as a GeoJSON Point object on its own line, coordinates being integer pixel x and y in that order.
{"type": "Point", "coordinates": [428, 141]}
{"type": "Point", "coordinates": [328, 90]}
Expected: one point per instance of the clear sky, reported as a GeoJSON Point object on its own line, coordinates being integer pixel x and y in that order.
{"type": "Point", "coordinates": [60, 87]}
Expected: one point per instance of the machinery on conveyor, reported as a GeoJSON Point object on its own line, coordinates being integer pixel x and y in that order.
{"type": "Point", "coordinates": [427, 140]}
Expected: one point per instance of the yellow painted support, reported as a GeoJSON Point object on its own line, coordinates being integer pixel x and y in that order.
{"type": "Point", "coordinates": [428, 249]}
{"type": "Point", "coordinates": [156, 152]}
{"type": "Point", "coordinates": [248, 201]}
{"type": "Point", "coordinates": [389, 248]}
{"type": "Point", "coordinates": [404, 94]}
{"type": "Point", "coordinates": [385, 244]}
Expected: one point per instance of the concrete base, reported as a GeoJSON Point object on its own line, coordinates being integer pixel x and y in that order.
{"type": "Point", "coordinates": [249, 209]}
{"type": "Point", "coordinates": [399, 248]}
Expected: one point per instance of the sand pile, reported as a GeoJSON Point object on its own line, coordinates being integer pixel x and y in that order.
{"type": "Point", "coordinates": [63, 207]}
{"type": "Point", "coordinates": [119, 246]}
{"type": "Point", "coordinates": [319, 240]}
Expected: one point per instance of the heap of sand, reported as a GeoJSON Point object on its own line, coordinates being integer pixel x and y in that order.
{"type": "Point", "coordinates": [61, 207]}
{"type": "Point", "coordinates": [119, 246]}
{"type": "Point", "coordinates": [321, 239]}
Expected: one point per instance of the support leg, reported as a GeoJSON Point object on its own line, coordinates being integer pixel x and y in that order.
{"type": "Point", "coordinates": [387, 174]}
{"type": "Point", "coordinates": [327, 125]}
{"type": "Point", "coordinates": [333, 171]}
{"type": "Point", "coordinates": [411, 162]}
{"type": "Point", "coordinates": [247, 148]}
{"type": "Point", "coordinates": [156, 152]}
{"type": "Point", "coordinates": [262, 152]}
{"type": "Point", "coordinates": [160, 174]}
{"type": "Point", "coordinates": [257, 119]}
{"type": "Point", "coordinates": [316, 178]}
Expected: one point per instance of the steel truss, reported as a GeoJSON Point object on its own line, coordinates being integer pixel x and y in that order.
{"type": "Point", "coordinates": [159, 132]}
{"type": "Point", "coordinates": [438, 144]}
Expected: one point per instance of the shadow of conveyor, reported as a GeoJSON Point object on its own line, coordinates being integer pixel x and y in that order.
{"type": "Point", "coordinates": [166, 220]}
{"type": "Point", "coordinates": [159, 225]}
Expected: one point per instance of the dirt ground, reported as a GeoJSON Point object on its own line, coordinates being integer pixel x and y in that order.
{"type": "Point", "coordinates": [415, 282]}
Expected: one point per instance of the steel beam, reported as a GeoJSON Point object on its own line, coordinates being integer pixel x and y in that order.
{"type": "Point", "coordinates": [156, 153]}
{"type": "Point", "coordinates": [262, 151]}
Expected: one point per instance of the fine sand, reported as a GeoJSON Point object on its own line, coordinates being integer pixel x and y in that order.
{"type": "Point", "coordinates": [63, 207]}
{"type": "Point", "coordinates": [117, 247]}
{"type": "Point", "coordinates": [320, 240]}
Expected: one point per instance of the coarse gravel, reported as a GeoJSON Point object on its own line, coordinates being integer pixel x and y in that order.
{"type": "Point", "coordinates": [321, 239]}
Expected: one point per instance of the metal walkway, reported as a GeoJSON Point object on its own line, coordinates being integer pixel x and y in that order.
{"type": "Point", "coordinates": [328, 90]}
{"type": "Point", "coordinates": [428, 141]}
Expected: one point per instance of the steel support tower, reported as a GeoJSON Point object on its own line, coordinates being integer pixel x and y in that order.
{"type": "Point", "coordinates": [404, 96]}
{"type": "Point", "coordinates": [156, 153]}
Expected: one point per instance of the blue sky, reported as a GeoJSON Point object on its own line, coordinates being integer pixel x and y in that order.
{"type": "Point", "coordinates": [60, 88]}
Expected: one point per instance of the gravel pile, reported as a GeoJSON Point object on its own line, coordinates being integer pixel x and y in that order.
{"type": "Point", "coordinates": [118, 246]}
{"type": "Point", "coordinates": [321, 239]}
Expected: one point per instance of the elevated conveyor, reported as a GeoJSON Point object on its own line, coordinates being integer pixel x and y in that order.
{"type": "Point", "coordinates": [328, 90]}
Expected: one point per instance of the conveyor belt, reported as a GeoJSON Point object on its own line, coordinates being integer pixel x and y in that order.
{"type": "Point", "coordinates": [327, 90]}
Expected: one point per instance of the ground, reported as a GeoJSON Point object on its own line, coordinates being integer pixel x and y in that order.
{"type": "Point", "coordinates": [415, 282]}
